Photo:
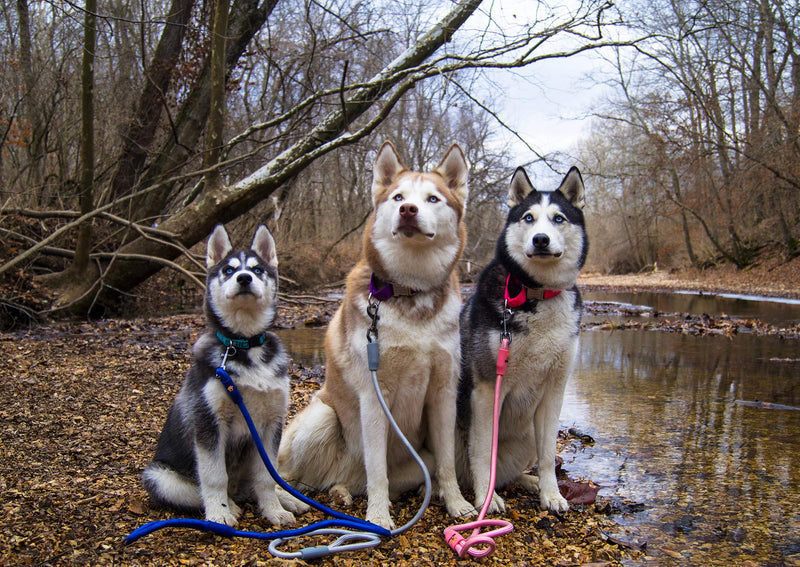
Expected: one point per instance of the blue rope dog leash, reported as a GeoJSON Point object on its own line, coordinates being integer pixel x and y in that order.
{"type": "Point", "coordinates": [367, 534]}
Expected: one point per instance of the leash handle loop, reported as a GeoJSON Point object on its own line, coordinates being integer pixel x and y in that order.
{"type": "Point", "coordinates": [348, 541]}
{"type": "Point", "coordinates": [470, 545]}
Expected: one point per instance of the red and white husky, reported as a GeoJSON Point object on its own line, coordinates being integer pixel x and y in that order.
{"type": "Point", "coordinates": [341, 441]}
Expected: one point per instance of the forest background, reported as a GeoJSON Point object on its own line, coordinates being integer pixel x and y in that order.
{"type": "Point", "coordinates": [128, 129]}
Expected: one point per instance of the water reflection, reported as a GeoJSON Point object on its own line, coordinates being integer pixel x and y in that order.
{"type": "Point", "coordinates": [720, 482]}
{"type": "Point", "coordinates": [306, 346]}
{"type": "Point", "coordinates": [769, 310]}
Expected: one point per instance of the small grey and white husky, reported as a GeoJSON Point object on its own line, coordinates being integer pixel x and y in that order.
{"type": "Point", "coordinates": [206, 459]}
{"type": "Point", "coordinates": [539, 255]}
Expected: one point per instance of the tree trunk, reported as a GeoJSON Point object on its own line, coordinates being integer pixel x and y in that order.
{"type": "Point", "coordinates": [78, 280]}
{"type": "Point", "coordinates": [687, 237]}
{"type": "Point", "coordinates": [194, 222]}
{"type": "Point", "coordinates": [83, 247]}
{"type": "Point", "coordinates": [143, 125]}
{"type": "Point", "coordinates": [246, 18]}
{"type": "Point", "coordinates": [216, 112]}
{"type": "Point", "coordinates": [30, 105]}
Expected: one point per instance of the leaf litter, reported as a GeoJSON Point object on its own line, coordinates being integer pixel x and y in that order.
{"type": "Point", "coordinates": [84, 404]}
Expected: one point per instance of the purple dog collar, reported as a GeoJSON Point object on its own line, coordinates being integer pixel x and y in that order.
{"type": "Point", "coordinates": [384, 290]}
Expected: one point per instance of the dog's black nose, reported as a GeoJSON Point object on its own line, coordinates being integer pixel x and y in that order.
{"type": "Point", "coordinates": [244, 279]}
{"type": "Point", "coordinates": [408, 211]}
{"type": "Point", "coordinates": [541, 240]}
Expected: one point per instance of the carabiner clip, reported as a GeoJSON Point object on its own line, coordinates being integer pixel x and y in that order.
{"type": "Point", "coordinates": [230, 350]}
{"type": "Point", "coordinates": [507, 315]}
{"type": "Point", "coordinates": [372, 313]}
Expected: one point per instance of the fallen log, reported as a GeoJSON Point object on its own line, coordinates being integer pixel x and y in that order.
{"type": "Point", "coordinates": [764, 405]}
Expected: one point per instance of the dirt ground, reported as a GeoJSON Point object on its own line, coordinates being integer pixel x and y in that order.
{"type": "Point", "coordinates": [771, 276]}
{"type": "Point", "coordinates": [83, 407]}
{"type": "Point", "coordinates": [84, 402]}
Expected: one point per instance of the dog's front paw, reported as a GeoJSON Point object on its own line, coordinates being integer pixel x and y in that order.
{"type": "Point", "coordinates": [529, 482]}
{"type": "Point", "coordinates": [291, 503]}
{"type": "Point", "coordinates": [381, 518]}
{"type": "Point", "coordinates": [227, 513]}
{"type": "Point", "coordinates": [461, 508]}
{"type": "Point", "coordinates": [497, 506]}
{"type": "Point", "coordinates": [340, 495]}
{"type": "Point", "coordinates": [552, 500]}
{"type": "Point", "coordinates": [277, 516]}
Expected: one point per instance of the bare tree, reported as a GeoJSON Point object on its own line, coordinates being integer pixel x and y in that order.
{"type": "Point", "coordinates": [142, 127]}
{"type": "Point", "coordinates": [79, 269]}
{"type": "Point", "coordinates": [216, 114]}
{"type": "Point", "coordinates": [328, 91]}
{"type": "Point", "coordinates": [716, 99]}
{"type": "Point", "coordinates": [29, 98]}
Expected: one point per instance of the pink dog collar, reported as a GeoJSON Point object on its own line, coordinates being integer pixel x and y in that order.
{"type": "Point", "coordinates": [526, 293]}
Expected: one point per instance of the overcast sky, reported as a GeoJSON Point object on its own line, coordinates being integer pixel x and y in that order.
{"type": "Point", "coordinates": [550, 106]}
{"type": "Point", "coordinates": [548, 103]}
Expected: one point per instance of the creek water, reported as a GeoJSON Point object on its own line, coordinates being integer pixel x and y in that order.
{"type": "Point", "coordinates": [767, 309]}
{"type": "Point", "coordinates": [699, 476]}
{"type": "Point", "coordinates": [714, 482]}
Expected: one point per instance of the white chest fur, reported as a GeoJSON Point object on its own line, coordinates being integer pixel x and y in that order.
{"type": "Point", "coordinates": [263, 388]}
{"type": "Point", "coordinates": [405, 340]}
{"type": "Point", "coordinates": [545, 349]}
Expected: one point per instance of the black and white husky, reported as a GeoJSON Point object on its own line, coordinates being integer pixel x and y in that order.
{"type": "Point", "coordinates": [539, 254]}
{"type": "Point", "coordinates": [206, 459]}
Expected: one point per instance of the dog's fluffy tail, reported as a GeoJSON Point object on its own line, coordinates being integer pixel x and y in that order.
{"type": "Point", "coordinates": [169, 488]}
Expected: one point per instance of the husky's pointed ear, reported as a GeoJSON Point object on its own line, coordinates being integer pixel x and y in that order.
{"type": "Point", "coordinates": [519, 188]}
{"type": "Point", "coordinates": [386, 168]}
{"type": "Point", "coordinates": [455, 171]}
{"type": "Point", "coordinates": [264, 246]}
{"type": "Point", "coordinates": [218, 246]}
{"type": "Point", "coordinates": [572, 187]}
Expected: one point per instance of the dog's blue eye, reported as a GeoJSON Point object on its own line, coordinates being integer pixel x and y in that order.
{"type": "Point", "coordinates": [528, 218]}
{"type": "Point", "coordinates": [433, 199]}
{"type": "Point", "coordinates": [229, 271]}
{"type": "Point", "coordinates": [558, 219]}
{"type": "Point", "coordinates": [257, 271]}
{"type": "Point", "coordinates": [398, 197]}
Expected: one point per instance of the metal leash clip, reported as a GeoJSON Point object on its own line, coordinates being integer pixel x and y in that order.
{"type": "Point", "coordinates": [229, 351]}
{"type": "Point", "coordinates": [507, 315]}
{"type": "Point", "coordinates": [372, 312]}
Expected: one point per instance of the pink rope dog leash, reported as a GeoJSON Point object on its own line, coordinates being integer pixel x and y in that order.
{"type": "Point", "coordinates": [455, 540]}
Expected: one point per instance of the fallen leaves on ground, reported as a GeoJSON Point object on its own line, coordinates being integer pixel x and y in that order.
{"type": "Point", "coordinates": [84, 404]}
{"type": "Point", "coordinates": [696, 325]}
